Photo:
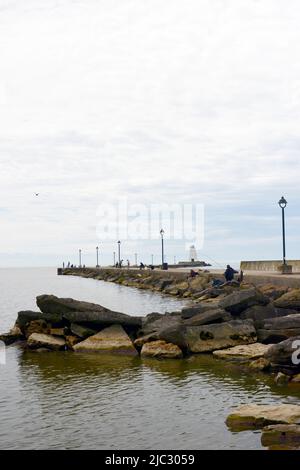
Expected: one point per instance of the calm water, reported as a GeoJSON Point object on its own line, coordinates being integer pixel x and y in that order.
{"type": "Point", "coordinates": [68, 401]}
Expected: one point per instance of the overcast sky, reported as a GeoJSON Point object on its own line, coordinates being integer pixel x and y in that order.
{"type": "Point", "coordinates": [169, 101]}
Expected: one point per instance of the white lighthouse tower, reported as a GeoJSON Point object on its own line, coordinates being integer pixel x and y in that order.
{"type": "Point", "coordinates": [193, 254]}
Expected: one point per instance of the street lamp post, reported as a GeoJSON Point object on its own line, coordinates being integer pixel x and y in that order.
{"type": "Point", "coordinates": [119, 253]}
{"type": "Point", "coordinates": [282, 204]}
{"type": "Point", "coordinates": [162, 248]}
{"type": "Point", "coordinates": [152, 259]}
{"type": "Point", "coordinates": [114, 258]}
{"type": "Point", "coordinates": [135, 258]}
{"type": "Point", "coordinates": [79, 257]}
{"type": "Point", "coordinates": [97, 255]}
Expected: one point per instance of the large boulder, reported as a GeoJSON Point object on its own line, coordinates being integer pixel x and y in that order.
{"type": "Point", "coordinates": [154, 322]}
{"type": "Point", "coordinates": [273, 292]}
{"type": "Point", "coordinates": [207, 317]}
{"type": "Point", "coordinates": [191, 311]}
{"type": "Point", "coordinates": [76, 311]}
{"type": "Point", "coordinates": [258, 416]}
{"type": "Point", "coordinates": [161, 350]}
{"type": "Point", "coordinates": [259, 313]}
{"type": "Point", "coordinates": [112, 340]}
{"type": "Point", "coordinates": [244, 352]}
{"type": "Point", "coordinates": [242, 299]}
{"type": "Point", "coordinates": [275, 330]}
{"type": "Point", "coordinates": [208, 338]}
{"type": "Point", "coordinates": [289, 300]}
{"type": "Point", "coordinates": [40, 340]}
{"type": "Point", "coordinates": [285, 355]}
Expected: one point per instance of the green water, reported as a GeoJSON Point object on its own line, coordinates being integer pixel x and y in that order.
{"type": "Point", "coordinates": [66, 400]}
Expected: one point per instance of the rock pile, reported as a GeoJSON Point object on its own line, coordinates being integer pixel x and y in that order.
{"type": "Point", "coordinates": [256, 326]}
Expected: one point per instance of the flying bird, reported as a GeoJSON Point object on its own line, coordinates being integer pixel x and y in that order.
{"type": "Point", "coordinates": [36, 194]}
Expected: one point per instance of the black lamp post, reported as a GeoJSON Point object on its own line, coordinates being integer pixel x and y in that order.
{"type": "Point", "coordinates": [97, 255]}
{"type": "Point", "coordinates": [282, 204]}
{"type": "Point", "coordinates": [80, 258]}
{"type": "Point", "coordinates": [119, 253]}
{"type": "Point", "coordinates": [162, 248]}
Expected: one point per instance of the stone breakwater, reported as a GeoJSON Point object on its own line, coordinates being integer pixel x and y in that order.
{"type": "Point", "coordinates": [257, 328]}
{"type": "Point", "coordinates": [171, 283]}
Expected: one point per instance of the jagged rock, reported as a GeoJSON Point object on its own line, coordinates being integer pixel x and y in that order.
{"type": "Point", "coordinates": [82, 331]}
{"type": "Point", "coordinates": [190, 312]}
{"type": "Point", "coordinates": [281, 434]}
{"type": "Point", "coordinates": [112, 340]}
{"type": "Point", "coordinates": [208, 338]}
{"type": "Point", "coordinates": [285, 354]}
{"type": "Point", "coordinates": [154, 323]}
{"type": "Point", "coordinates": [278, 329]}
{"type": "Point", "coordinates": [242, 299]}
{"type": "Point", "coordinates": [260, 364]}
{"type": "Point", "coordinates": [71, 341]}
{"type": "Point", "coordinates": [209, 316]}
{"type": "Point", "coordinates": [175, 334]}
{"type": "Point", "coordinates": [15, 334]}
{"type": "Point", "coordinates": [39, 340]}
{"type": "Point", "coordinates": [273, 292]}
{"type": "Point", "coordinates": [258, 416]}
{"type": "Point", "coordinates": [162, 350]}
{"type": "Point", "coordinates": [243, 352]}
{"type": "Point", "coordinates": [36, 326]}
{"type": "Point", "coordinates": [76, 311]}
{"type": "Point", "coordinates": [289, 300]}
{"type": "Point", "coordinates": [27, 316]}
{"type": "Point", "coordinates": [259, 313]}
{"type": "Point", "coordinates": [57, 331]}
{"type": "Point", "coordinates": [281, 379]}
{"type": "Point", "coordinates": [139, 342]}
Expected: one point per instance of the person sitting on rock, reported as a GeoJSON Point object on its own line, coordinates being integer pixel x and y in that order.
{"type": "Point", "coordinates": [193, 274]}
{"type": "Point", "coordinates": [229, 273]}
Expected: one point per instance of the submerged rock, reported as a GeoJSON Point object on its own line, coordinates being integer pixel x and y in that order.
{"type": "Point", "coordinates": [208, 338]}
{"type": "Point", "coordinates": [281, 434]}
{"type": "Point", "coordinates": [113, 339]}
{"type": "Point", "coordinates": [260, 364]}
{"type": "Point", "coordinates": [243, 352]}
{"type": "Point", "coordinates": [281, 379]}
{"type": "Point", "coordinates": [258, 416]}
{"type": "Point", "coordinates": [39, 340]}
{"type": "Point", "coordinates": [161, 349]}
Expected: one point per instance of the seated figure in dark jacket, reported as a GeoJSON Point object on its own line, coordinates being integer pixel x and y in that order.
{"type": "Point", "coordinates": [229, 273]}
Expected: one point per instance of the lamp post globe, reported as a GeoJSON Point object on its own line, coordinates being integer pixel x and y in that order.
{"type": "Point", "coordinates": [97, 255]}
{"type": "Point", "coordinates": [282, 204]}
{"type": "Point", "coordinates": [162, 232]}
{"type": "Point", "coordinates": [119, 253]}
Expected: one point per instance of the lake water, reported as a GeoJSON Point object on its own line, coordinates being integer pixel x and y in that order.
{"type": "Point", "coordinates": [83, 401]}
